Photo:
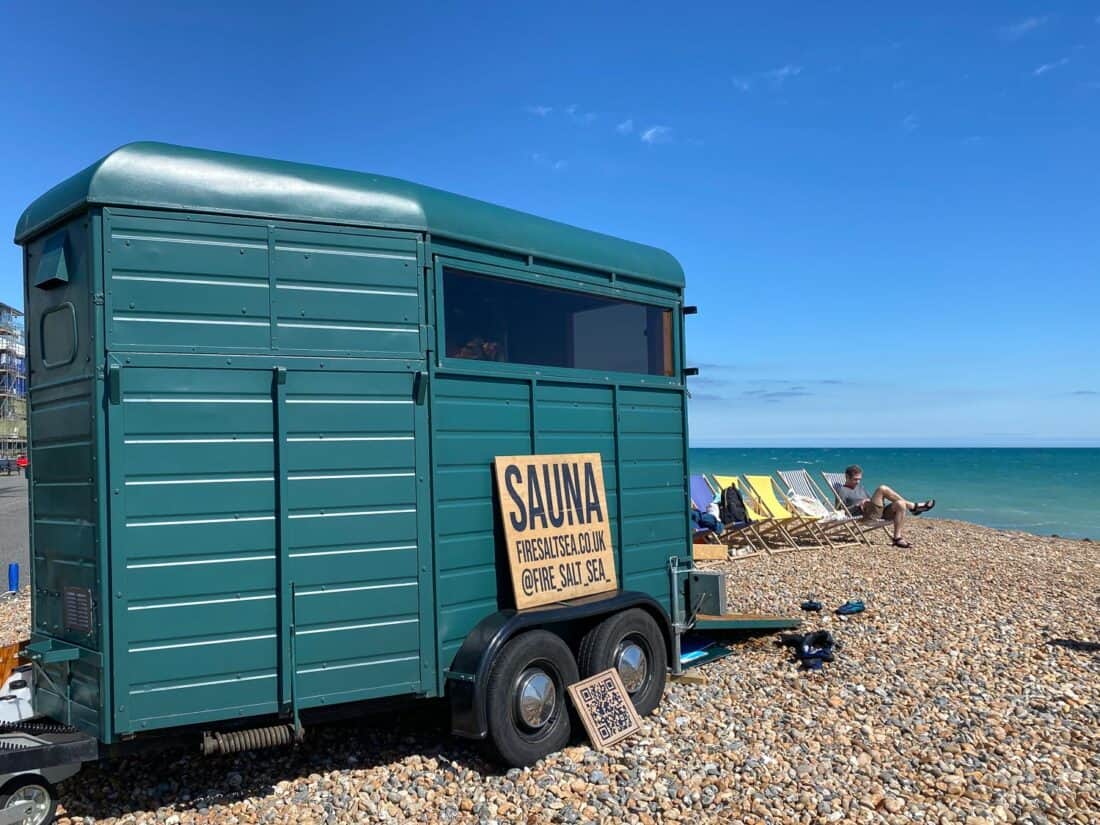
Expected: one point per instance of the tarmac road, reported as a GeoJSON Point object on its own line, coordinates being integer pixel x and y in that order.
{"type": "Point", "coordinates": [14, 531]}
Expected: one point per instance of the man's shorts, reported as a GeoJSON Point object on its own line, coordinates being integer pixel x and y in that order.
{"type": "Point", "coordinates": [872, 511]}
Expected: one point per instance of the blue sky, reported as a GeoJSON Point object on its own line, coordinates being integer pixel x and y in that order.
{"type": "Point", "coordinates": [888, 221]}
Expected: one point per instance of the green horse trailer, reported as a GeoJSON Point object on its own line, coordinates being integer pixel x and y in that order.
{"type": "Point", "coordinates": [265, 401]}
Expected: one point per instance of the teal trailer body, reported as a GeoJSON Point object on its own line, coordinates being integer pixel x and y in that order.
{"type": "Point", "coordinates": [264, 403]}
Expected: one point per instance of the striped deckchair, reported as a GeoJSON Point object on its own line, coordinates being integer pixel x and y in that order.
{"type": "Point", "coordinates": [835, 480]}
{"type": "Point", "coordinates": [700, 495]}
{"type": "Point", "coordinates": [769, 530]}
{"type": "Point", "coordinates": [797, 524]}
{"type": "Point", "coordinates": [800, 483]}
{"type": "Point", "coordinates": [740, 534]}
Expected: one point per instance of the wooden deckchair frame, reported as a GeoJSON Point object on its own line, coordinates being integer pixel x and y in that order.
{"type": "Point", "coordinates": [764, 525]}
{"type": "Point", "coordinates": [862, 525]}
{"type": "Point", "coordinates": [846, 521]}
{"type": "Point", "coordinates": [805, 524]}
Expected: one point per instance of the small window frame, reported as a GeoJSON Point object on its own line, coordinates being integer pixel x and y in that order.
{"type": "Point", "coordinates": [534, 277]}
{"type": "Point", "coordinates": [48, 364]}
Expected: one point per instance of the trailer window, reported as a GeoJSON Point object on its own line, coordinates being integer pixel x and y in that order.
{"type": "Point", "coordinates": [494, 319]}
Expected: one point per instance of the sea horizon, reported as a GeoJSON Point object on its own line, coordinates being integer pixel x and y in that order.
{"type": "Point", "coordinates": [1044, 490]}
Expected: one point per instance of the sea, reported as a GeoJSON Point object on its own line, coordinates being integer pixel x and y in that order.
{"type": "Point", "coordinates": [1046, 491]}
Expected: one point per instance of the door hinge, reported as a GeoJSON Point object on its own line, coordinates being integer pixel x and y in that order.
{"type": "Point", "coordinates": [97, 299]}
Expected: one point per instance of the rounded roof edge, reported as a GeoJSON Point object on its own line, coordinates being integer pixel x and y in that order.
{"type": "Point", "coordinates": [161, 175]}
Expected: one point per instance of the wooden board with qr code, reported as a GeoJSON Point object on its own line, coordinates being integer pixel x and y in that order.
{"type": "Point", "coordinates": [605, 708]}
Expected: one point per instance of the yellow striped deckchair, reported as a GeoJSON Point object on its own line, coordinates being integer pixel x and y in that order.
{"type": "Point", "coordinates": [798, 525]}
{"type": "Point", "coordinates": [768, 529]}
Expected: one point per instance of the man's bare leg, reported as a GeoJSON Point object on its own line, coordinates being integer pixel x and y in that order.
{"type": "Point", "coordinates": [883, 494]}
{"type": "Point", "coordinates": [898, 514]}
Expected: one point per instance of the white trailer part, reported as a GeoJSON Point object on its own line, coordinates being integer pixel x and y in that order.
{"type": "Point", "coordinates": [34, 757]}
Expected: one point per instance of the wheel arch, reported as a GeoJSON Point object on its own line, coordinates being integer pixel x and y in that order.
{"type": "Point", "coordinates": [466, 678]}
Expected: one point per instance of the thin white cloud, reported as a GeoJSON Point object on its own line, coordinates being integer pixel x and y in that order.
{"type": "Point", "coordinates": [549, 163]}
{"type": "Point", "coordinates": [575, 113]}
{"type": "Point", "coordinates": [910, 123]}
{"type": "Point", "coordinates": [1047, 67]}
{"type": "Point", "coordinates": [1015, 31]}
{"type": "Point", "coordinates": [773, 78]}
{"type": "Point", "coordinates": [541, 111]}
{"type": "Point", "coordinates": [782, 73]}
{"type": "Point", "coordinates": [657, 134]}
{"type": "Point", "coordinates": [626, 127]}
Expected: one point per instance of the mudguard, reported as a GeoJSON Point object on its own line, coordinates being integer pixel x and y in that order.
{"type": "Point", "coordinates": [468, 674]}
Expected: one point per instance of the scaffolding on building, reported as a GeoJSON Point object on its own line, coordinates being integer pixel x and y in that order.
{"type": "Point", "coordinates": [13, 383]}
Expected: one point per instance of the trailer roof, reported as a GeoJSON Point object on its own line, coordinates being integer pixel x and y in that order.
{"type": "Point", "coordinates": [163, 176]}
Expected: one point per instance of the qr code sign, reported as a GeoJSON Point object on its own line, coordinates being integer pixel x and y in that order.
{"type": "Point", "coordinates": [605, 708]}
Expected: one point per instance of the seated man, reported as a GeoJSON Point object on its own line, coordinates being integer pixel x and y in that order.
{"type": "Point", "coordinates": [883, 503]}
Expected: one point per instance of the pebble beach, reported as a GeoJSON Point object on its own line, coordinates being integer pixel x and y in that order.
{"type": "Point", "coordinates": [969, 691]}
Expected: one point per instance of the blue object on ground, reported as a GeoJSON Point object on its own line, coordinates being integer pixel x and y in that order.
{"type": "Point", "coordinates": [13, 576]}
{"type": "Point", "coordinates": [812, 605]}
{"type": "Point", "coordinates": [849, 607]}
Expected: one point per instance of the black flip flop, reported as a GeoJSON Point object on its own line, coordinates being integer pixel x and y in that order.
{"type": "Point", "coordinates": [902, 543]}
{"type": "Point", "coordinates": [924, 506]}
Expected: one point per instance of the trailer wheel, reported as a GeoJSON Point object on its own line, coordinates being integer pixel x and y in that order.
{"type": "Point", "coordinates": [32, 788]}
{"type": "Point", "coordinates": [631, 643]}
{"type": "Point", "coordinates": [528, 708]}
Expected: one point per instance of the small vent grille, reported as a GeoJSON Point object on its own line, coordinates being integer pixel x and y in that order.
{"type": "Point", "coordinates": [77, 603]}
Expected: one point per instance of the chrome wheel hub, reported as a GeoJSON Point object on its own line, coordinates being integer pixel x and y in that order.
{"type": "Point", "coordinates": [536, 697]}
{"type": "Point", "coordinates": [35, 801]}
{"type": "Point", "coordinates": [632, 665]}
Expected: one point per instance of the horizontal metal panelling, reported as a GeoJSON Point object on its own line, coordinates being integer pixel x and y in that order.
{"type": "Point", "coordinates": [199, 624]}
{"type": "Point", "coordinates": [473, 421]}
{"type": "Point", "coordinates": [580, 419]}
{"type": "Point", "coordinates": [187, 283]}
{"type": "Point", "coordinates": [207, 285]}
{"type": "Point", "coordinates": [352, 534]}
{"type": "Point", "coordinates": [339, 291]}
{"type": "Point", "coordinates": [653, 466]}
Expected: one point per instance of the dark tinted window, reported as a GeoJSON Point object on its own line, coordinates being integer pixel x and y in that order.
{"type": "Point", "coordinates": [493, 319]}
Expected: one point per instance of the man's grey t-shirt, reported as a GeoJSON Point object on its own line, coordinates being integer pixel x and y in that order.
{"type": "Point", "coordinates": [851, 498]}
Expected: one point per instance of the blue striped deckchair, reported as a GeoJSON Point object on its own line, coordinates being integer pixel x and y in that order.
{"type": "Point", "coordinates": [740, 534]}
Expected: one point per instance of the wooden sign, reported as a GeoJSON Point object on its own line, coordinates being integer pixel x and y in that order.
{"type": "Point", "coordinates": [605, 708]}
{"type": "Point", "coordinates": [554, 509]}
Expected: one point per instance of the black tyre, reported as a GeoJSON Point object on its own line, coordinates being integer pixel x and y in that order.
{"type": "Point", "coordinates": [528, 707]}
{"type": "Point", "coordinates": [631, 643]}
{"type": "Point", "coordinates": [32, 788]}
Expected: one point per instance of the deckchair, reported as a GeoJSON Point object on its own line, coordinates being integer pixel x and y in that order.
{"type": "Point", "coordinates": [795, 523]}
{"type": "Point", "coordinates": [835, 480]}
{"type": "Point", "coordinates": [770, 531]}
{"type": "Point", "coordinates": [734, 535]}
{"type": "Point", "coordinates": [799, 483]}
